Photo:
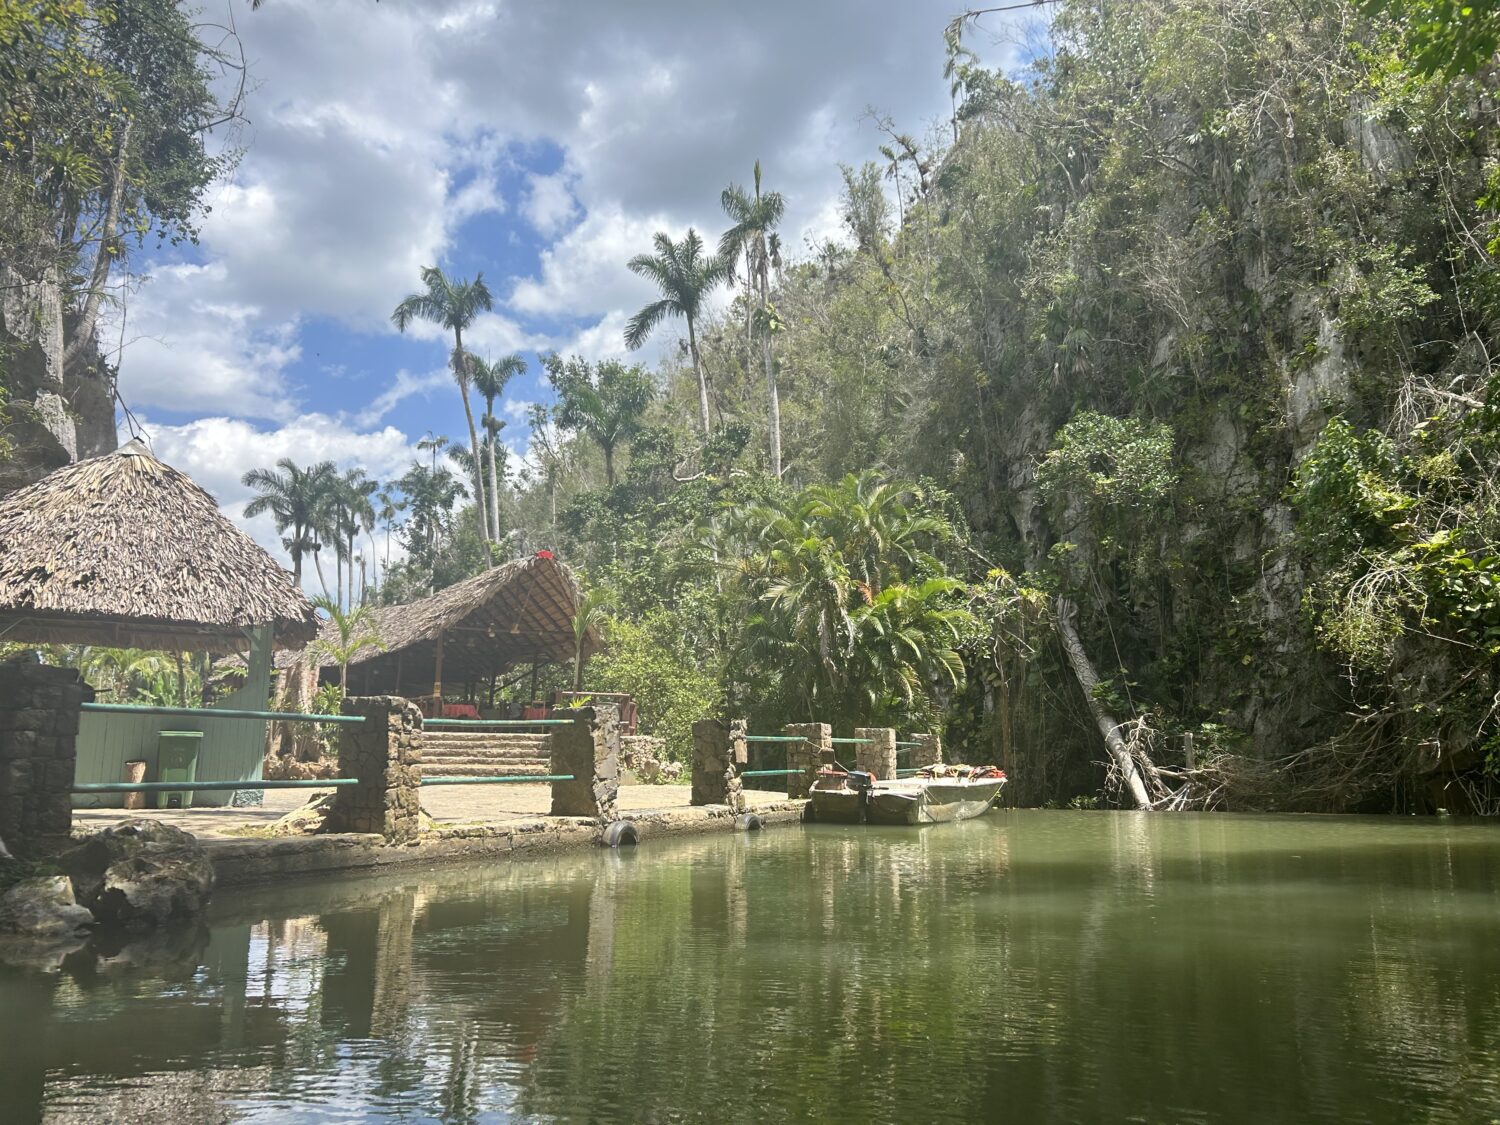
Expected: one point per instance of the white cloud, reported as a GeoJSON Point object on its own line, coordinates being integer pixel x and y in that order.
{"type": "Point", "coordinates": [494, 334]}
{"type": "Point", "coordinates": [604, 340]}
{"type": "Point", "coordinates": [584, 271]}
{"type": "Point", "coordinates": [515, 408]}
{"type": "Point", "coordinates": [403, 387]}
{"type": "Point", "coordinates": [549, 204]}
{"type": "Point", "coordinates": [187, 351]}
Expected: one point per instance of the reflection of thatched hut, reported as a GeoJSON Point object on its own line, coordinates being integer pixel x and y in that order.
{"type": "Point", "coordinates": [124, 551]}
{"type": "Point", "coordinates": [518, 613]}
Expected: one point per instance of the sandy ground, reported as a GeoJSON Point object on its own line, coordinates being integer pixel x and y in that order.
{"type": "Point", "coordinates": [452, 804]}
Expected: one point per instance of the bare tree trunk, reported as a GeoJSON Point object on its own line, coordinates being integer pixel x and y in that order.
{"type": "Point", "coordinates": [1088, 680]}
{"type": "Point", "coordinates": [770, 362]}
{"type": "Point", "coordinates": [494, 491]}
{"type": "Point", "coordinates": [461, 372]}
{"type": "Point", "coordinates": [318, 565]}
{"type": "Point", "coordinates": [698, 371]}
{"type": "Point", "coordinates": [775, 407]}
{"type": "Point", "coordinates": [104, 256]}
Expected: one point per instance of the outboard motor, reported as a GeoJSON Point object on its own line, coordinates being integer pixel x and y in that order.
{"type": "Point", "coordinates": [861, 782]}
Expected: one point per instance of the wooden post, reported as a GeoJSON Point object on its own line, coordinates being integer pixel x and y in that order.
{"type": "Point", "coordinates": [437, 677]}
{"type": "Point", "coordinates": [1187, 750]}
{"type": "Point", "coordinates": [399, 653]}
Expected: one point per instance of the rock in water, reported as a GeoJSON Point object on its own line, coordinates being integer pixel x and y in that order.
{"type": "Point", "coordinates": [140, 874]}
{"type": "Point", "coordinates": [42, 907]}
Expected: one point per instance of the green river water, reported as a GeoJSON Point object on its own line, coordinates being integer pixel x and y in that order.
{"type": "Point", "coordinates": [1024, 967]}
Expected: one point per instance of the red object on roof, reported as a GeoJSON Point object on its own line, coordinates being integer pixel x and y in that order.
{"type": "Point", "coordinates": [544, 554]}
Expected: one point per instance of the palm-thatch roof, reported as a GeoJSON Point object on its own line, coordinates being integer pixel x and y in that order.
{"type": "Point", "coordinates": [125, 550]}
{"type": "Point", "coordinates": [518, 613]}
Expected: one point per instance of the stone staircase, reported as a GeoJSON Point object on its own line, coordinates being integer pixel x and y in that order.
{"type": "Point", "coordinates": [492, 753]}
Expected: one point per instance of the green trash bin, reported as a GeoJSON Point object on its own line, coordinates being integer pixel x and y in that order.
{"type": "Point", "coordinates": [177, 760]}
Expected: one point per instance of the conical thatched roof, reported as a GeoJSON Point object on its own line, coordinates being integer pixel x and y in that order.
{"type": "Point", "coordinates": [125, 550]}
{"type": "Point", "coordinates": [516, 613]}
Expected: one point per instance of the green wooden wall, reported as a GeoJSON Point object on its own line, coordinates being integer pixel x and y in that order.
{"type": "Point", "coordinates": [231, 749]}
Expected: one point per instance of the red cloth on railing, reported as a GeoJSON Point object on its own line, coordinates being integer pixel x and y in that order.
{"type": "Point", "coordinates": [460, 711]}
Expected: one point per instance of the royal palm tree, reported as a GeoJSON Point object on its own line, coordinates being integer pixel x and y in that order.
{"type": "Point", "coordinates": [392, 504]}
{"type": "Point", "coordinates": [434, 444]}
{"type": "Point", "coordinates": [685, 277]}
{"type": "Point", "coordinates": [454, 305]}
{"type": "Point", "coordinates": [755, 217]}
{"type": "Point", "coordinates": [295, 497]}
{"type": "Point", "coordinates": [490, 379]}
{"type": "Point", "coordinates": [353, 512]}
{"type": "Point", "coordinates": [603, 401]}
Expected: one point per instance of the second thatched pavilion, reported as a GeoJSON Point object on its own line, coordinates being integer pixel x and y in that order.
{"type": "Point", "coordinates": [519, 613]}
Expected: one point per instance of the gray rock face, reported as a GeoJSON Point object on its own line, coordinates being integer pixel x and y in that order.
{"type": "Point", "coordinates": [140, 874]}
{"type": "Point", "coordinates": [44, 908]}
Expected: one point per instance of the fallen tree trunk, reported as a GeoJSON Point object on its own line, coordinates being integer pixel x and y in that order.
{"type": "Point", "coordinates": [1088, 679]}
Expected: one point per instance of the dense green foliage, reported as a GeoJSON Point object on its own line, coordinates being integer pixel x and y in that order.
{"type": "Point", "coordinates": [105, 106]}
{"type": "Point", "coordinates": [1189, 325]}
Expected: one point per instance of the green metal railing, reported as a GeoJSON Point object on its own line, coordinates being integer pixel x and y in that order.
{"type": "Point", "coordinates": [907, 745]}
{"type": "Point", "coordinates": [774, 738]}
{"type": "Point", "coordinates": [218, 713]}
{"type": "Point", "coordinates": [314, 783]}
{"type": "Point", "coordinates": [498, 722]}
{"type": "Point", "coordinates": [852, 741]}
{"type": "Point", "coordinates": [770, 773]}
{"type": "Point", "coordinates": [508, 779]}
{"type": "Point", "coordinates": [205, 786]}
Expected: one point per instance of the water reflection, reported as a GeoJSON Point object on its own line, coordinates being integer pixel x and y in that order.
{"type": "Point", "coordinates": [1029, 966]}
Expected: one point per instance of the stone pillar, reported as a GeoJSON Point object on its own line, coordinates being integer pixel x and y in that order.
{"type": "Point", "coordinates": [385, 753]}
{"type": "Point", "coordinates": [719, 752]}
{"type": "Point", "coordinates": [808, 756]}
{"type": "Point", "coordinates": [928, 750]}
{"type": "Point", "coordinates": [589, 749]}
{"type": "Point", "coordinates": [878, 756]}
{"type": "Point", "coordinates": [39, 709]}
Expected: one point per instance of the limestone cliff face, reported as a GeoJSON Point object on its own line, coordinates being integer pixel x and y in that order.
{"type": "Point", "coordinates": [61, 411]}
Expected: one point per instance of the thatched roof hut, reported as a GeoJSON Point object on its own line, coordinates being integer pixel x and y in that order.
{"type": "Point", "coordinates": [125, 550]}
{"type": "Point", "coordinates": [518, 613]}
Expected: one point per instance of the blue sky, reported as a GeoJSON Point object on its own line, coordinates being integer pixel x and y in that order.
{"type": "Point", "coordinates": [541, 144]}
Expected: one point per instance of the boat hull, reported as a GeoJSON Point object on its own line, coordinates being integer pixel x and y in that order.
{"type": "Point", "coordinates": [837, 806]}
{"type": "Point", "coordinates": [931, 801]}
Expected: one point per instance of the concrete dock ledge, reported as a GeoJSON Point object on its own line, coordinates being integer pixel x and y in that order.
{"type": "Point", "coordinates": [243, 862]}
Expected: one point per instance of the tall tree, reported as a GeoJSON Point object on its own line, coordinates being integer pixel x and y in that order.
{"type": "Point", "coordinates": [685, 277]}
{"type": "Point", "coordinates": [392, 504]}
{"type": "Point", "coordinates": [755, 216]}
{"type": "Point", "coordinates": [490, 379]}
{"type": "Point", "coordinates": [353, 512]}
{"type": "Point", "coordinates": [454, 305]}
{"type": "Point", "coordinates": [603, 401]}
{"type": "Point", "coordinates": [296, 498]}
{"type": "Point", "coordinates": [105, 108]}
{"type": "Point", "coordinates": [431, 494]}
